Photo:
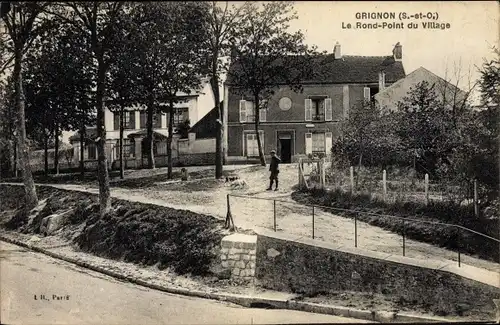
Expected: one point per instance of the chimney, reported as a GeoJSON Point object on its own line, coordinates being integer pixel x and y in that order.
{"type": "Point", "coordinates": [336, 51]}
{"type": "Point", "coordinates": [398, 52]}
{"type": "Point", "coordinates": [381, 80]}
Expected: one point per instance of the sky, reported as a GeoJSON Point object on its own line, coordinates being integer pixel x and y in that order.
{"type": "Point", "coordinates": [473, 30]}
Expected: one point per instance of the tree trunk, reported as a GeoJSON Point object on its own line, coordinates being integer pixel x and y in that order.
{"type": "Point", "coordinates": [257, 120]}
{"type": "Point", "coordinates": [169, 139]}
{"type": "Point", "coordinates": [56, 149]}
{"type": "Point", "coordinates": [122, 166]}
{"type": "Point", "coordinates": [102, 162]}
{"type": "Point", "coordinates": [46, 153]}
{"type": "Point", "coordinates": [82, 150]}
{"type": "Point", "coordinates": [150, 139]}
{"type": "Point", "coordinates": [29, 184]}
{"type": "Point", "coordinates": [219, 130]}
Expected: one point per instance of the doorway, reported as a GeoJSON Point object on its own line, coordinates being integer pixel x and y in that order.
{"type": "Point", "coordinates": [285, 147]}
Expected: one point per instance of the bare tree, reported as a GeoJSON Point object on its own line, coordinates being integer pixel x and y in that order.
{"type": "Point", "coordinates": [222, 21]}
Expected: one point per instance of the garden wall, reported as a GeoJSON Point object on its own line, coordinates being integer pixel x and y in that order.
{"type": "Point", "coordinates": [311, 268]}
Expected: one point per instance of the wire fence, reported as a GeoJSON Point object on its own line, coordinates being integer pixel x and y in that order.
{"type": "Point", "coordinates": [324, 223]}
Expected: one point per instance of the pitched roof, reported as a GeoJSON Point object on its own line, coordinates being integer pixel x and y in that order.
{"type": "Point", "coordinates": [206, 127]}
{"type": "Point", "coordinates": [348, 69]}
{"type": "Point", "coordinates": [389, 96]}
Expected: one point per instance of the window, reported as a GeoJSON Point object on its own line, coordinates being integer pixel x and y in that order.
{"type": "Point", "coordinates": [92, 151]}
{"type": "Point", "coordinates": [252, 147]}
{"type": "Point", "coordinates": [128, 120]}
{"type": "Point", "coordinates": [144, 120]}
{"type": "Point", "coordinates": [181, 114]}
{"type": "Point", "coordinates": [370, 92]}
{"type": "Point", "coordinates": [247, 111]}
{"type": "Point", "coordinates": [318, 142]}
{"type": "Point", "coordinates": [318, 109]}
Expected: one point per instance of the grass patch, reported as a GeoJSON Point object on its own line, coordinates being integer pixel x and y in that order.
{"type": "Point", "coordinates": [441, 235]}
{"type": "Point", "coordinates": [140, 233]}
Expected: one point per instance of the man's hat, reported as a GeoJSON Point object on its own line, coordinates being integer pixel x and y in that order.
{"type": "Point", "coordinates": [273, 151]}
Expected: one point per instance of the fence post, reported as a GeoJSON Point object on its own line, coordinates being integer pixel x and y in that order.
{"type": "Point", "coordinates": [404, 238]}
{"type": "Point", "coordinates": [274, 202]}
{"type": "Point", "coordinates": [384, 184]}
{"type": "Point", "coordinates": [300, 173]}
{"type": "Point", "coordinates": [355, 229]}
{"type": "Point", "coordinates": [323, 176]}
{"type": "Point", "coordinates": [426, 188]}
{"type": "Point", "coordinates": [476, 209]}
{"type": "Point", "coordinates": [313, 222]}
{"type": "Point", "coordinates": [351, 176]}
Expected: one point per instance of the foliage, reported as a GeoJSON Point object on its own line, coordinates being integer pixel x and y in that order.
{"type": "Point", "coordinates": [490, 80]}
{"type": "Point", "coordinates": [368, 138]}
{"type": "Point", "coordinates": [266, 55]}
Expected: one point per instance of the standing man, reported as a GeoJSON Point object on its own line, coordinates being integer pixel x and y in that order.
{"type": "Point", "coordinates": [274, 169]}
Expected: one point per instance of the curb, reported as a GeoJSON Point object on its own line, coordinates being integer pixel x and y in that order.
{"type": "Point", "coordinates": [245, 301]}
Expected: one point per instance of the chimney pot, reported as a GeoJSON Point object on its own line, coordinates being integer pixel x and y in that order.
{"type": "Point", "coordinates": [336, 51]}
{"type": "Point", "coordinates": [397, 52]}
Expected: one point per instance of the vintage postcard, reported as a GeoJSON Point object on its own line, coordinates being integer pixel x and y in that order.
{"type": "Point", "coordinates": [249, 162]}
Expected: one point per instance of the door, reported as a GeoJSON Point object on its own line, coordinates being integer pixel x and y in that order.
{"type": "Point", "coordinates": [285, 146]}
{"type": "Point", "coordinates": [286, 150]}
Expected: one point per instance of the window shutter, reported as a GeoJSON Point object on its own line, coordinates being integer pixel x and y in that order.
{"type": "Point", "coordinates": [143, 118]}
{"type": "Point", "coordinates": [243, 111]}
{"type": "Point", "coordinates": [366, 93]}
{"type": "Point", "coordinates": [131, 120]}
{"type": "Point", "coordinates": [328, 109]}
{"type": "Point", "coordinates": [261, 136]}
{"type": "Point", "coordinates": [263, 114]}
{"type": "Point", "coordinates": [309, 143]}
{"type": "Point", "coordinates": [328, 142]}
{"type": "Point", "coordinates": [116, 116]}
{"type": "Point", "coordinates": [308, 109]}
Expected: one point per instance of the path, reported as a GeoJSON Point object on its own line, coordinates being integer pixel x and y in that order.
{"type": "Point", "coordinates": [89, 297]}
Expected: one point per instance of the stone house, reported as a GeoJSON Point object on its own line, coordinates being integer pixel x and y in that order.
{"type": "Point", "coordinates": [193, 107]}
{"type": "Point", "coordinates": [445, 91]}
{"type": "Point", "coordinates": [299, 124]}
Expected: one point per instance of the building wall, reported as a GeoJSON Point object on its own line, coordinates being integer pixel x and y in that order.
{"type": "Point", "coordinates": [389, 98]}
{"type": "Point", "coordinates": [343, 97]}
{"type": "Point", "coordinates": [236, 133]}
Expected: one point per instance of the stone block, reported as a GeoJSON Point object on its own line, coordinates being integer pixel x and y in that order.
{"type": "Point", "coordinates": [234, 257]}
{"type": "Point", "coordinates": [223, 257]}
{"type": "Point", "coordinates": [236, 271]}
{"type": "Point", "coordinates": [236, 251]}
{"type": "Point", "coordinates": [252, 252]}
{"type": "Point", "coordinates": [253, 258]}
{"type": "Point", "coordinates": [245, 257]}
{"type": "Point", "coordinates": [251, 265]}
{"type": "Point", "coordinates": [230, 263]}
{"type": "Point", "coordinates": [225, 264]}
{"type": "Point", "coordinates": [239, 241]}
{"type": "Point", "coordinates": [240, 264]}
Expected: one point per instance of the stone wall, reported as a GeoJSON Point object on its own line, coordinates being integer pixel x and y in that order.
{"type": "Point", "coordinates": [238, 254]}
{"type": "Point", "coordinates": [313, 268]}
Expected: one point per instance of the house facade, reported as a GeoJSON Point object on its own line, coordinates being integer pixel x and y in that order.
{"type": "Point", "coordinates": [192, 107]}
{"type": "Point", "coordinates": [445, 91]}
{"type": "Point", "coordinates": [300, 124]}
